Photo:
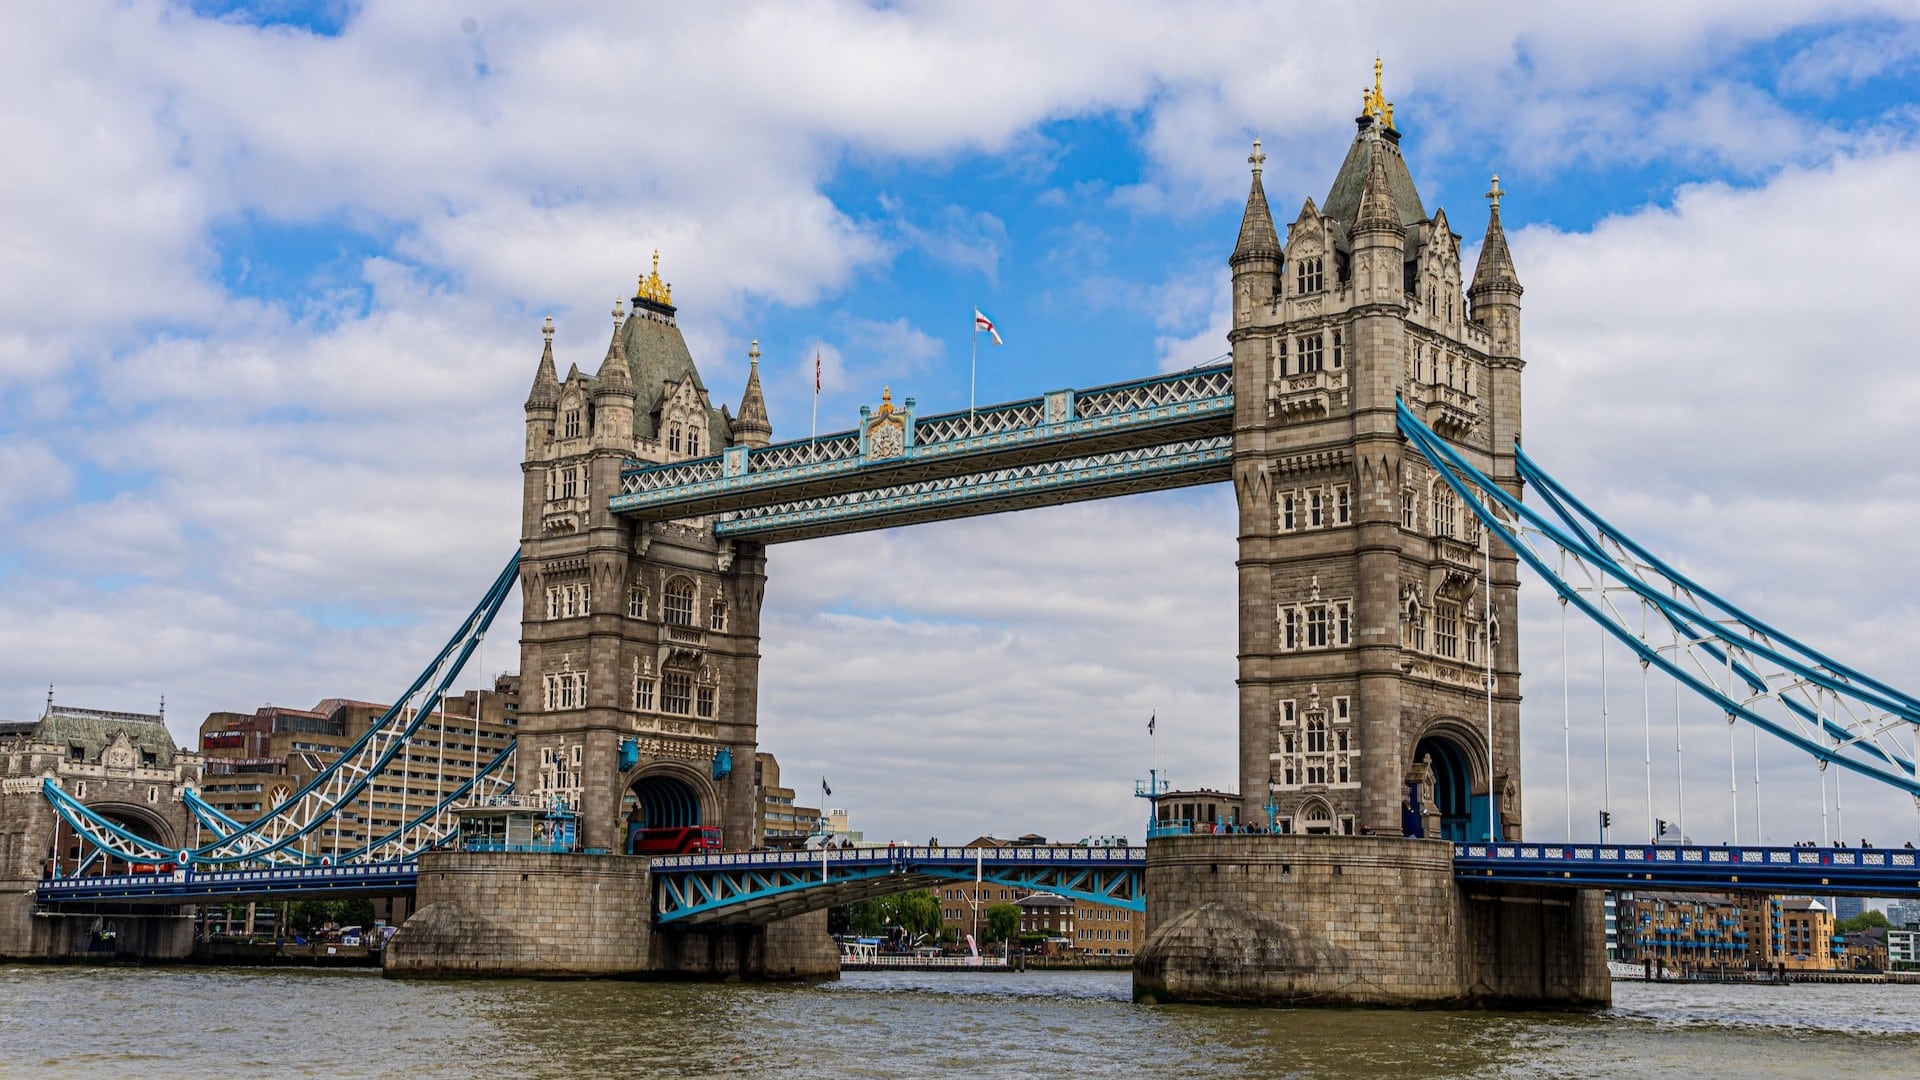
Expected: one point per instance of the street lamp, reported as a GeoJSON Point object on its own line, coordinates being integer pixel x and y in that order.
{"type": "Point", "coordinates": [1272, 806]}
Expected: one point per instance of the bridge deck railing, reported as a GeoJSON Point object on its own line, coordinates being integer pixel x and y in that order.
{"type": "Point", "coordinates": [869, 856]}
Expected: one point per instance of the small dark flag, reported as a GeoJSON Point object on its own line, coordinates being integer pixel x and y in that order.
{"type": "Point", "coordinates": [1151, 720]}
{"type": "Point", "coordinates": [824, 789]}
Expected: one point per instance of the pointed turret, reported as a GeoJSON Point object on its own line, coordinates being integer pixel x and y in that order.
{"type": "Point", "coordinates": [1256, 256]}
{"type": "Point", "coordinates": [1495, 268]}
{"type": "Point", "coordinates": [751, 427]}
{"type": "Point", "coordinates": [1257, 234]}
{"type": "Point", "coordinates": [1496, 287]}
{"type": "Point", "coordinates": [545, 395]}
{"type": "Point", "coordinates": [613, 392]}
{"type": "Point", "coordinates": [1377, 211]}
{"type": "Point", "coordinates": [613, 376]}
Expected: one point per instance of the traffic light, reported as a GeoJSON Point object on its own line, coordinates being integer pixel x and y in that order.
{"type": "Point", "coordinates": [1662, 823]}
{"type": "Point", "coordinates": [1606, 819]}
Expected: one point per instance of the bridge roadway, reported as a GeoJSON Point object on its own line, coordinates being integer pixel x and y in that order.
{"type": "Point", "coordinates": [758, 887]}
{"type": "Point", "coordinates": [898, 468]}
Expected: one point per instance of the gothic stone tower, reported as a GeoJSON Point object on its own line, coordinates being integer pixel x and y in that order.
{"type": "Point", "coordinates": [640, 645]}
{"type": "Point", "coordinates": [1365, 627]}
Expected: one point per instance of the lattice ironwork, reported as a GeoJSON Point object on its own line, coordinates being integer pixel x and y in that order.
{"type": "Point", "coordinates": [949, 427]}
{"type": "Point", "coordinates": [677, 474]}
{"type": "Point", "coordinates": [1196, 385]}
{"type": "Point", "coordinates": [795, 455]}
{"type": "Point", "coordinates": [1139, 462]}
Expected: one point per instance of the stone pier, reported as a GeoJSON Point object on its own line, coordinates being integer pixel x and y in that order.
{"type": "Point", "coordinates": [1357, 920]}
{"type": "Point", "coordinates": [494, 915]}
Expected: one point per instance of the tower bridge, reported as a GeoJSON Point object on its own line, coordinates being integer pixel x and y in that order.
{"type": "Point", "coordinates": [1369, 422]}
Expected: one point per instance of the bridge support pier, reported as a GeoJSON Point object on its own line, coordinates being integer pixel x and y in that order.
{"type": "Point", "coordinates": [1357, 920]}
{"type": "Point", "coordinates": [100, 932]}
{"type": "Point", "coordinates": [539, 915]}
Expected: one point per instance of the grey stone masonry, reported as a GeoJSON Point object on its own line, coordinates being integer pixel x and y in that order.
{"type": "Point", "coordinates": [497, 915]}
{"type": "Point", "coordinates": [1338, 920]}
{"type": "Point", "coordinates": [647, 633]}
{"type": "Point", "coordinates": [1372, 616]}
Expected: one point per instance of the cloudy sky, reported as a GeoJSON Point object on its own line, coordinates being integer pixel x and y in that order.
{"type": "Point", "coordinates": [274, 274]}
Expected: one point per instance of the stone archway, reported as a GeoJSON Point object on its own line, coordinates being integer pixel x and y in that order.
{"type": "Point", "coordinates": [663, 797]}
{"type": "Point", "coordinates": [1454, 773]}
{"type": "Point", "coordinates": [139, 821]}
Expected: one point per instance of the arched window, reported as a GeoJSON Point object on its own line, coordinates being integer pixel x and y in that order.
{"type": "Point", "coordinates": [678, 608]}
{"type": "Point", "coordinates": [693, 441]}
{"type": "Point", "coordinates": [673, 439]}
{"type": "Point", "coordinates": [1315, 818]}
{"type": "Point", "coordinates": [1444, 518]}
{"type": "Point", "coordinates": [1316, 735]}
{"type": "Point", "coordinates": [717, 615]}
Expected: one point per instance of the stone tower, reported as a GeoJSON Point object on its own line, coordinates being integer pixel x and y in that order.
{"type": "Point", "coordinates": [1367, 643]}
{"type": "Point", "coordinates": [639, 644]}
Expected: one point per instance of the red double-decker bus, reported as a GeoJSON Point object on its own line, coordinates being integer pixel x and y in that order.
{"type": "Point", "coordinates": [673, 840]}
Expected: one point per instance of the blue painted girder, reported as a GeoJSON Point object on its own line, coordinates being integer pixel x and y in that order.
{"type": "Point", "coordinates": [189, 886]}
{"type": "Point", "coordinates": [1057, 427]}
{"type": "Point", "coordinates": [1746, 868]}
{"type": "Point", "coordinates": [760, 887]}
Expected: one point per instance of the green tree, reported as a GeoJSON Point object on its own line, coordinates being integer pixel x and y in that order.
{"type": "Point", "coordinates": [915, 913]}
{"type": "Point", "coordinates": [1003, 921]}
{"type": "Point", "coordinates": [1866, 920]}
{"type": "Point", "coordinates": [918, 913]}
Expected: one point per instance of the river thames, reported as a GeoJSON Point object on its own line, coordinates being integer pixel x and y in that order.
{"type": "Point", "coordinates": [198, 1022]}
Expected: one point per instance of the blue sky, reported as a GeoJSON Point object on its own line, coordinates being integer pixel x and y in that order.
{"type": "Point", "coordinates": [275, 275]}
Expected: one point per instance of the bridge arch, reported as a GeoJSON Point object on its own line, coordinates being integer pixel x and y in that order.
{"type": "Point", "coordinates": [1456, 756]}
{"type": "Point", "coordinates": [665, 794]}
{"type": "Point", "coordinates": [140, 820]}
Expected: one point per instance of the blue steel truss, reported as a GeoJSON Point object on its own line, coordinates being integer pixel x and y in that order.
{"type": "Point", "coordinates": [1748, 670]}
{"type": "Point", "coordinates": [1047, 483]}
{"type": "Point", "coordinates": [759, 887]}
{"type": "Point", "coordinates": [1820, 871]}
{"type": "Point", "coordinates": [1066, 445]}
{"type": "Point", "coordinates": [282, 835]}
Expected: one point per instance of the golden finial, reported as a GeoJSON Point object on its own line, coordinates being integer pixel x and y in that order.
{"type": "Point", "coordinates": [651, 288]}
{"type": "Point", "coordinates": [1494, 193]}
{"type": "Point", "coordinates": [1374, 102]}
{"type": "Point", "coordinates": [886, 401]}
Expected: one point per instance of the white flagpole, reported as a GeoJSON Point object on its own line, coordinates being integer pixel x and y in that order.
{"type": "Point", "coordinates": [816, 394]}
{"type": "Point", "coordinates": [973, 373]}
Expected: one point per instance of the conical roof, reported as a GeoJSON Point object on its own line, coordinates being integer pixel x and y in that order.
{"type": "Point", "coordinates": [614, 376]}
{"type": "Point", "coordinates": [1257, 234]}
{"type": "Point", "coordinates": [1377, 209]}
{"type": "Point", "coordinates": [1373, 141]}
{"type": "Point", "coordinates": [1495, 266]}
{"type": "Point", "coordinates": [546, 382]}
{"type": "Point", "coordinates": [753, 420]}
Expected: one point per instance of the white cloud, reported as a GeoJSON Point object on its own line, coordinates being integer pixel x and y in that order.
{"type": "Point", "coordinates": [357, 450]}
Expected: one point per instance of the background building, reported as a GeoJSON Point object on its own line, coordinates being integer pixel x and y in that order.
{"type": "Point", "coordinates": [1681, 930]}
{"type": "Point", "coordinates": [779, 822]}
{"type": "Point", "coordinates": [256, 761]}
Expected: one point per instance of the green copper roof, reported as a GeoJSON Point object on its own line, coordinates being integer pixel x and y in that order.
{"type": "Point", "coordinates": [1343, 200]}
{"type": "Point", "coordinates": [657, 355]}
{"type": "Point", "coordinates": [93, 729]}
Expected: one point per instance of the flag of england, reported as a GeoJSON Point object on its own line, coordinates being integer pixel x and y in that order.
{"type": "Point", "coordinates": [981, 322]}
